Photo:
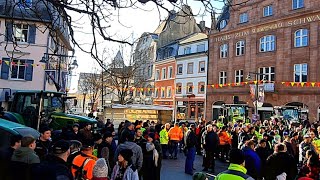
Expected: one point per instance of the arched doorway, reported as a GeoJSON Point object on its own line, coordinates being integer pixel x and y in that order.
{"type": "Point", "coordinates": [217, 109]}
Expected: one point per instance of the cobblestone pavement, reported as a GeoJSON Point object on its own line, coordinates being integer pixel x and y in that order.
{"type": "Point", "coordinates": [174, 169]}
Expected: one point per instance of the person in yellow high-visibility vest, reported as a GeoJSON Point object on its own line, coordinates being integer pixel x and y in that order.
{"type": "Point", "coordinates": [315, 141]}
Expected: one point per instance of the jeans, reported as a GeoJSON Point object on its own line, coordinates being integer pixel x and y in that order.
{"type": "Point", "coordinates": [189, 160]}
{"type": "Point", "coordinates": [174, 148]}
{"type": "Point", "coordinates": [164, 150]}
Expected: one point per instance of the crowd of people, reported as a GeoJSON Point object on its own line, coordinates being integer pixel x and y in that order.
{"type": "Point", "coordinates": [273, 149]}
{"type": "Point", "coordinates": [269, 150]}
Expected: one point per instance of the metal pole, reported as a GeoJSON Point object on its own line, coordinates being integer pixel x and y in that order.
{"type": "Point", "coordinates": [256, 94]}
{"type": "Point", "coordinates": [59, 71]}
{"type": "Point", "coordinates": [102, 90]}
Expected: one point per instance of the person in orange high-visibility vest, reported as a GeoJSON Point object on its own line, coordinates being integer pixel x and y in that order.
{"type": "Point", "coordinates": [83, 164]}
{"type": "Point", "coordinates": [175, 135]}
{"type": "Point", "coordinates": [225, 142]}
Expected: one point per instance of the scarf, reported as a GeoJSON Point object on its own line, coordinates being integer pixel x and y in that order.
{"type": "Point", "coordinates": [151, 147]}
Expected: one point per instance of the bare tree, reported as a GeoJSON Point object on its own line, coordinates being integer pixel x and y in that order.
{"type": "Point", "coordinates": [90, 85]}
{"type": "Point", "coordinates": [65, 18]}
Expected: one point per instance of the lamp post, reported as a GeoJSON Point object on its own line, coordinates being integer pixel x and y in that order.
{"type": "Point", "coordinates": [71, 66]}
{"type": "Point", "coordinates": [256, 74]}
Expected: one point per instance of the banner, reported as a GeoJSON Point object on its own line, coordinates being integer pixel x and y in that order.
{"type": "Point", "coordinates": [51, 76]}
{"type": "Point", "coordinates": [260, 99]}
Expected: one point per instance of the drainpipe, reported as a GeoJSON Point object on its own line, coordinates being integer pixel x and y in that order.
{"type": "Point", "coordinates": [46, 65]}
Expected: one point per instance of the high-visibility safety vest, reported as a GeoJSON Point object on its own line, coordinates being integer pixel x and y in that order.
{"type": "Point", "coordinates": [164, 136]}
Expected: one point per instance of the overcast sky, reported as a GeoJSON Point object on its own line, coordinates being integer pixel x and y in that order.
{"type": "Point", "coordinates": [130, 24]}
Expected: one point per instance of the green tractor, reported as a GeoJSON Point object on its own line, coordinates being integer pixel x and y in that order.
{"type": "Point", "coordinates": [38, 108]}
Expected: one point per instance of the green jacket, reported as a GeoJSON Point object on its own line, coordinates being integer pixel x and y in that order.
{"type": "Point", "coordinates": [164, 136]}
{"type": "Point", "coordinates": [238, 169]}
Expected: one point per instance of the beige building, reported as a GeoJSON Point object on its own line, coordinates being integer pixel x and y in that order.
{"type": "Point", "coordinates": [24, 43]}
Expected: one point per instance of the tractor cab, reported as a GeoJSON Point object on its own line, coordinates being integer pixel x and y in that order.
{"type": "Point", "coordinates": [37, 108]}
{"type": "Point", "coordinates": [288, 113]}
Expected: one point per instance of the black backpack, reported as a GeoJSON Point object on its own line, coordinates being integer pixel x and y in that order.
{"type": "Point", "coordinates": [80, 173]}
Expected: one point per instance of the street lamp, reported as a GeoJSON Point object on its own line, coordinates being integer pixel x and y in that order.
{"type": "Point", "coordinates": [72, 66]}
{"type": "Point", "coordinates": [256, 88]}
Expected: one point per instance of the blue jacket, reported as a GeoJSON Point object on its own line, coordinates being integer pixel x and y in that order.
{"type": "Point", "coordinates": [252, 162]}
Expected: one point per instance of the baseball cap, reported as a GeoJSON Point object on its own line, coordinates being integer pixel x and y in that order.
{"type": "Point", "coordinates": [285, 133]}
{"type": "Point", "coordinates": [60, 147]}
{"type": "Point", "coordinates": [307, 136]}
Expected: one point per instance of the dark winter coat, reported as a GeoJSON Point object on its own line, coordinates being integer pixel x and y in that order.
{"type": "Point", "coordinates": [211, 141]}
{"type": "Point", "coordinates": [42, 148]}
{"type": "Point", "coordinates": [191, 140]}
{"type": "Point", "coordinates": [137, 157]}
{"type": "Point", "coordinates": [52, 168]}
{"type": "Point", "coordinates": [278, 163]}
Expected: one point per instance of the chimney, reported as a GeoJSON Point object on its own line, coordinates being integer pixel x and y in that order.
{"type": "Point", "coordinates": [203, 26]}
{"type": "Point", "coordinates": [213, 22]}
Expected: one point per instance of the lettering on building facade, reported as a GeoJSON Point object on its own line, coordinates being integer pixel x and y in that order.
{"type": "Point", "coordinates": [273, 26]}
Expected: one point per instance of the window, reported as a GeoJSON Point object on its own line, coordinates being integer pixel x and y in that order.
{"type": "Point", "coordinates": [297, 4]}
{"type": "Point", "coordinates": [187, 50]}
{"type": "Point", "coordinates": [21, 32]}
{"type": "Point", "coordinates": [190, 68]}
{"type": "Point", "coordinates": [238, 76]}
{"type": "Point", "coordinates": [164, 73]}
{"type": "Point", "coordinates": [150, 71]}
{"type": "Point", "coordinates": [301, 38]}
{"type": "Point", "coordinates": [18, 69]}
{"type": "Point", "coordinates": [300, 72]}
{"type": "Point", "coordinates": [223, 77]}
{"type": "Point", "coordinates": [224, 51]}
{"type": "Point", "coordinates": [179, 68]}
{"type": "Point", "coordinates": [178, 88]}
{"type": "Point", "coordinates": [163, 92]}
{"type": "Point", "coordinates": [202, 66]}
{"type": "Point", "coordinates": [170, 72]}
{"type": "Point", "coordinates": [268, 72]}
{"type": "Point", "coordinates": [169, 92]}
{"type": "Point", "coordinates": [244, 17]}
{"type": "Point", "coordinates": [223, 24]}
{"type": "Point", "coordinates": [240, 48]}
{"type": "Point", "coordinates": [201, 87]}
{"type": "Point", "coordinates": [156, 93]}
{"type": "Point", "coordinates": [189, 88]}
{"type": "Point", "coordinates": [267, 11]}
{"type": "Point", "coordinates": [157, 74]}
{"type": "Point", "coordinates": [25, 3]}
{"type": "Point", "coordinates": [200, 48]}
{"type": "Point", "coordinates": [267, 43]}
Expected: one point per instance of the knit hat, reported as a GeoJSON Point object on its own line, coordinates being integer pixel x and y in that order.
{"type": "Point", "coordinates": [126, 154]}
{"type": "Point", "coordinates": [107, 134]}
{"type": "Point", "coordinates": [100, 169]}
{"type": "Point", "coordinates": [199, 176]}
{"type": "Point", "coordinates": [151, 135]}
{"type": "Point", "coordinates": [75, 124]}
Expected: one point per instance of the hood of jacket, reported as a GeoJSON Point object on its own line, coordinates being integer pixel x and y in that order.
{"type": "Point", "coordinates": [237, 167]}
{"type": "Point", "coordinates": [22, 152]}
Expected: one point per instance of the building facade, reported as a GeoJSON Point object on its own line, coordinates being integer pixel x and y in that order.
{"type": "Point", "coordinates": [145, 56]}
{"type": "Point", "coordinates": [191, 77]}
{"type": "Point", "coordinates": [26, 41]}
{"type": "Point", "coordinates": [279, 39]}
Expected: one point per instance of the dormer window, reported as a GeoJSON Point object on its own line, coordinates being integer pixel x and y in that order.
{"type": "Point", "coordinates": [223, 24]}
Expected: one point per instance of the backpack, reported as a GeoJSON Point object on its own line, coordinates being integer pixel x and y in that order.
{"type": "Point", "coordinates": [80, 173]}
